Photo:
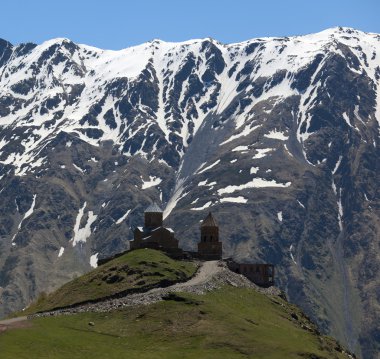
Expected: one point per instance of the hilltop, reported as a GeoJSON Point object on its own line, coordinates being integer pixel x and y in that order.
{"type": "Point", "coordinates": [216, 314]}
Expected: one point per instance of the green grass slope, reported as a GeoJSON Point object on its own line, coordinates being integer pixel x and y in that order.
{"type": "Point", "coordinates": [137, 270]}
{"type": "Point", "coordinates": [226, 323]}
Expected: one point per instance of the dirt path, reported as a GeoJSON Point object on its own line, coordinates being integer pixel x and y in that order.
{"type": "Point", "coordinates": [12, 323]}
{"type": "Point", "coordinates": [206, 272]}
{"type": "Point", "coordinates": [13, 320]}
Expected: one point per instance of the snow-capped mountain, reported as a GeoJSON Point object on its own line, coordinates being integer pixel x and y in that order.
{"type": "Point", "coordinates": [279, 137]}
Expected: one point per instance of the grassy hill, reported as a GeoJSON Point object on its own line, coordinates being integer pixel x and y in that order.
{"type": "Point", "coordinates": [138, 270]}
{"type": "Point", "coordinates": [229, 322]}
{"type": "Point", "coordinates": [226, 323]}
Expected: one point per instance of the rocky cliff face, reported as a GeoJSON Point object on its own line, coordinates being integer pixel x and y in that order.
{"type": "Point", "coordinates": [279, 137]}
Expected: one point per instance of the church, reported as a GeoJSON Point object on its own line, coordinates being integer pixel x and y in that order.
{"type": "Point", "coordinates": [154, 235]}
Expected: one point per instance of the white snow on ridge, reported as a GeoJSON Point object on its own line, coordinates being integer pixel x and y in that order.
{"type": "Point", "coordinates": [102, 67]}
{"type": "Point", "coordinates": [276, 135]}
{"type": "Point", "coordinates": [78, 168]}
{"type": "Point", "coordinates": [29, 212]}
{"type": "Point", "coordinates": [261, 152]}
{"type": "Point", "coordinates": [300, 204]}
{"type": "Point", "coordinates": [153, 181]}
{"type": "Point", "coordinates": [81, 234]}
{"type": "Point", "coordinates": [240, 149]}
{"type": "Point", "coordinates": [347, 119]}
{"type": "Point", "coordinates": [61, 250]}
{"type": "Point", "coordinates": [340, 213]}
{"type": "Point", "coordinates": [94, 260]}
{"type": "Point", "coordinates": [255, 183]}
{"type": "Point", "coordinates": [204, 183]}
{"type": "Point", "coordinates": [208, 204]}
{"type": "Point", "coordinates": [254, 170]}
{"type": "Point", "coordinates": [337, 165]}
{"type": "Point", "coordinates": [209, 167]}
{"type": "Point", "coordinates": [279, 216]}
{"type": "Point", "coordinates": [287, 150]}
{"type": "Point", "coordinates": [291, 254]}
{"type": "Point", "coordinates": [178, 194]}
{"type": "Point", "coordinates": [121, 219]}
{"type": "Point", "coordinates": [239, 199]}
{"type": "Point", "coordinates": [247, 130]}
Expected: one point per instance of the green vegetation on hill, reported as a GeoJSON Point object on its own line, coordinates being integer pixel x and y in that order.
{"type": "Point", "coordinates": [226, 323]}
{"type": "Point", "coordinates": [138, 270]}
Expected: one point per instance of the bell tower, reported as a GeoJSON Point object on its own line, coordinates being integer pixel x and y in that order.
{"type": "Point", "coordinates": [210, 247]}
{"type": "Point", "coordinates": [153, 216]}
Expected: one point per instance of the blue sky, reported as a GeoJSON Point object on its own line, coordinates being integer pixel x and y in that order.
{"type": "Point", "coordinates": [116, 24]}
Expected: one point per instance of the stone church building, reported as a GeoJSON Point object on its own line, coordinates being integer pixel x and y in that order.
{"type": "Point", "coordinates": [154, 235]}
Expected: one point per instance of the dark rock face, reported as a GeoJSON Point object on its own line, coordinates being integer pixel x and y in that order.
{"type": "Point", "coordinates": [278, 137]}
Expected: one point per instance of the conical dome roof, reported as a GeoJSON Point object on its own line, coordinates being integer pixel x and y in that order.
{"type": "Point", "coordinates": [153, 208]}
{"type": "Point", "coordinates": [209, 221]}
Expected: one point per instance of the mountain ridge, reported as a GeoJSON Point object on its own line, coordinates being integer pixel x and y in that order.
{"type": "Point", "coordinates": [278, 136]}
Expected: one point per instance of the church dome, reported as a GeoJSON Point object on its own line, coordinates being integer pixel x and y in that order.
{"type": "Point", "coordinates": [153, 208]}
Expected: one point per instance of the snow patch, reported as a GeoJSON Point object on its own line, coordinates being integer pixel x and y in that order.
{"type": "Point", "coordinates": [208, 204]}
{"type": "Point", "coordinates": [78, 168]}
{"type": "Point", "coordinates": [254, 170]}
{"type": "Point", "coordinates": [239, 199]}
{"type": "Point", "coordinates": [276, 135]}
{"type": "Point", "coordinates": [247, 130]}
{"type": "Point", "coordinates": [240, 148]}
{"type": "Point", "coordinates": [94, 260]}
{"type": "Point", "coordinates": [121, 219]}
{"type": "Point", "coordinates": [255, 183]}
{"type": "Point", "coordinates": [178, 194]}
{"type": "Point", "coordinates": [279, 216]}
{"type": "Point", "coordinates": [337, 165]}
{"type": "Point", "coordinates": [27, 214]}
{"type": "Point", "coordinates": [61, 250]}
{"type": "Point", "coordinates": [209, 167]}
{"type": "Point", "coordinates": [204, 183]}
{"type": "Point", "coordinates": [287, 150]}
{"type": "Point", "coordinates": [261, 152]}
{"type": "Point", "coordinates": [291, 254]}
{"type": "Point", "coordinates": [301, 204]}
{"type": "Point", "coordinates": [347, 119]}
{"type": "Point", "coordinates": [153, 181]}
{"type": "Point", "coordinates": [81, 234]}
{"type": "Point", "coordinates": [340, 213]}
